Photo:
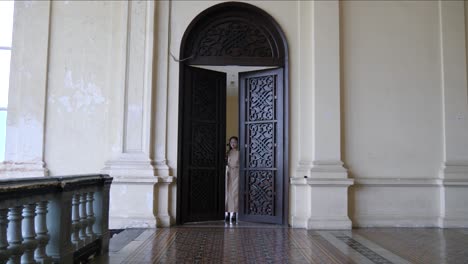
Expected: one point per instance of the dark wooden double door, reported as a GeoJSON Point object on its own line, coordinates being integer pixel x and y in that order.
{"type": "Point", "coordinates": [260, 144]}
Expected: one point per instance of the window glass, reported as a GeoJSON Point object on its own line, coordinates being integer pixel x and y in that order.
{"type": "Point", "coordinates": [3, 115]}
{"type": "Point", "coordinates": [6, 32]}
{"type": "Point", "coordinates": [4, 77]}
{"type": "Point", "coordinates": [6, 23]}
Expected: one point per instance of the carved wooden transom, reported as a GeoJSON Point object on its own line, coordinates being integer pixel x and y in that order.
{"type": "Point", "coordinates": [237, 36]}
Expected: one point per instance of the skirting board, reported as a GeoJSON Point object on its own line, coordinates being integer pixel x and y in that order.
{"type": "Point", "coordinates": [330, 224]}
{"type": "Point", "coordinates": [298, 222]}
{"type": "Point", "coordinates": [391, 221]}
{"type": "Point", "coordinates": [454, 222]}
{"type": "Point", "coordinates": [164, 221]}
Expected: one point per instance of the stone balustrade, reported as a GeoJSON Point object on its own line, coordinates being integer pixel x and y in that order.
{"type": "Point", "coordinates": [54, 219]}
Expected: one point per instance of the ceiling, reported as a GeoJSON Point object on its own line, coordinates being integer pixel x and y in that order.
{"type": "Point", "coordinates": [232, 73]}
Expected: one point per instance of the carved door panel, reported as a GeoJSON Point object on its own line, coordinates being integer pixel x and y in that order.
{"type": "Point", "coordinates": [203, 149]}
{"type": "Point", "coordinates": [261, 146]}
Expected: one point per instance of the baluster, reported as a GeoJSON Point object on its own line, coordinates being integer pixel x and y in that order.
{"type": "Point", "coordinates": [4, 254]}
{"type": "Point", "coordinates": [29, 234]}
{"type": "Point", "coordinates": [15, 238]}
{"type": "Point", "coordinates": [76, 222]}
{"type": "Point", "coordinates": [91, 218]}
{"type": "Point", "coordinates": [83, 219]}
{"type": "Point", "coordinates": [42, 232]}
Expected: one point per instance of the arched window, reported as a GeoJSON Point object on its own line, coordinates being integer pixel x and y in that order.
{"type": "Point", "coordinates": [6, 30]}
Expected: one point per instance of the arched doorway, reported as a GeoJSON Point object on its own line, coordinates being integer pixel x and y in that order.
{"type": "Point", "coordinates": [233, 33]}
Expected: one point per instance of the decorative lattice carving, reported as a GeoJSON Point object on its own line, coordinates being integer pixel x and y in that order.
{"type": "Point", "coordinates": [233, 39]}
{"type": "Point", "coordinates": [202, 182]}
{"type": "Point", "coordinates": [204, 99]}
{"type": "Point", "coordinates": [261, 98]}
{"type": "Point", "coordinates": [261, 195]}
{"type": "Point", "coordinates": [261, 145]}
{"type": "Point", "coordinates": [204, 145]}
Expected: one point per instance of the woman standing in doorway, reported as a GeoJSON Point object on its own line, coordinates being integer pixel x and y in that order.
{"type": "Point", "coordinates": [232, 181]}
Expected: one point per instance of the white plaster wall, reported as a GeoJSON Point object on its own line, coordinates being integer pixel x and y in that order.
{"type": "Point", "coordinates": [392, 108]}
{"type": "Point", "coordinates": [79, 90]}
{"type": "Point", "coordinates": [183, 12]}
{"type": "Point", "coordinates": [232, 117]}
{"type": "Point", "coordinates": [391, 85]}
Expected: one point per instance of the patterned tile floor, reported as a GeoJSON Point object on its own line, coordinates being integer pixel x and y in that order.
{"type": "Point", "coordinates": [255, 243]}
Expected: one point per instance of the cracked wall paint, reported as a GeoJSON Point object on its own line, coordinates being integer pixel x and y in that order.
{"type": "Point", "coordinates": [85, 96]}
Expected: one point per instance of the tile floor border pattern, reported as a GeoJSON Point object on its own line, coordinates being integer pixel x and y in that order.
{"type": "Point", "coordinates": [317, 249]}
{"type": "Point", "coordinates": [363, 250]}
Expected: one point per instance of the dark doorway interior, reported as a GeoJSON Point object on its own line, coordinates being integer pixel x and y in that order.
{"type": "Point", "coordinates": [233, 33]}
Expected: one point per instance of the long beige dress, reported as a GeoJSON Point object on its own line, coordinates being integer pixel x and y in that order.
{"type": "Point", "coordinates": [232, 182]}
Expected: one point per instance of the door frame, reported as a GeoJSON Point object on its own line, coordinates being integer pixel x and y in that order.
{"type": "Point", "coordinates": [270, 48]}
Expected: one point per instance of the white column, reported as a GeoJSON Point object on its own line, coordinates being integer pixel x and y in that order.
{"type": "Point", "coordinates": [133, 157]}
{"type": "Point", "coordinates": [141, 162]}
{"type": "Point", "coordinates": [24, 153]}
{"type": "Point", "coordinates": [325, 175]}
{"type": "Point", "coordinates": [161, 48]}
{"type": "Point", "coordinates": [300, 191]}
{"type": "Point", "coordinates": [454, 172]}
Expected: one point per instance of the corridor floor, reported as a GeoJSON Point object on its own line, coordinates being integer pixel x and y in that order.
{"type": "Point", "coordinates": [253, 243]}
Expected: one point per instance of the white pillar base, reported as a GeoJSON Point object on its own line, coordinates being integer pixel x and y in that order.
{"type": "Point", "coordinates": [163, 196]}
{"type": "Point", "coordinates": [324, 201]}
{"type": "Point", "coordinates": [164, 221]}
{"type": "Point", "coordinates": [329, 203]}
{"type": "Point", "coordinates": [132, 202]}
{"type": "Point", "coordinates": [10, 169]}
{"type": "Point", "coordinates": [320, 196]}
{"type": "Point", "coordinates": [161, 168]}
{"type": "Point", "coordinates": [455, 195]}
{"type": "Point", "coordinates": [140, 202]}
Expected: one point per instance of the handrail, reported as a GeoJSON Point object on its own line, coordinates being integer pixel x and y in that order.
{"type": "Point", "coordinates": [54, 219]}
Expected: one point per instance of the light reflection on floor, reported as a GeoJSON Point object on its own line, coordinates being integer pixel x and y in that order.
{"type": "Point", "coordinates": [219, 242]}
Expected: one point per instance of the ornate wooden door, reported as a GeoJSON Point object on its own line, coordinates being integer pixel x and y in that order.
{"type": "Point", "coordinates": [203, 149]}
{"type": "Point", "coordinates": [261, 146]}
